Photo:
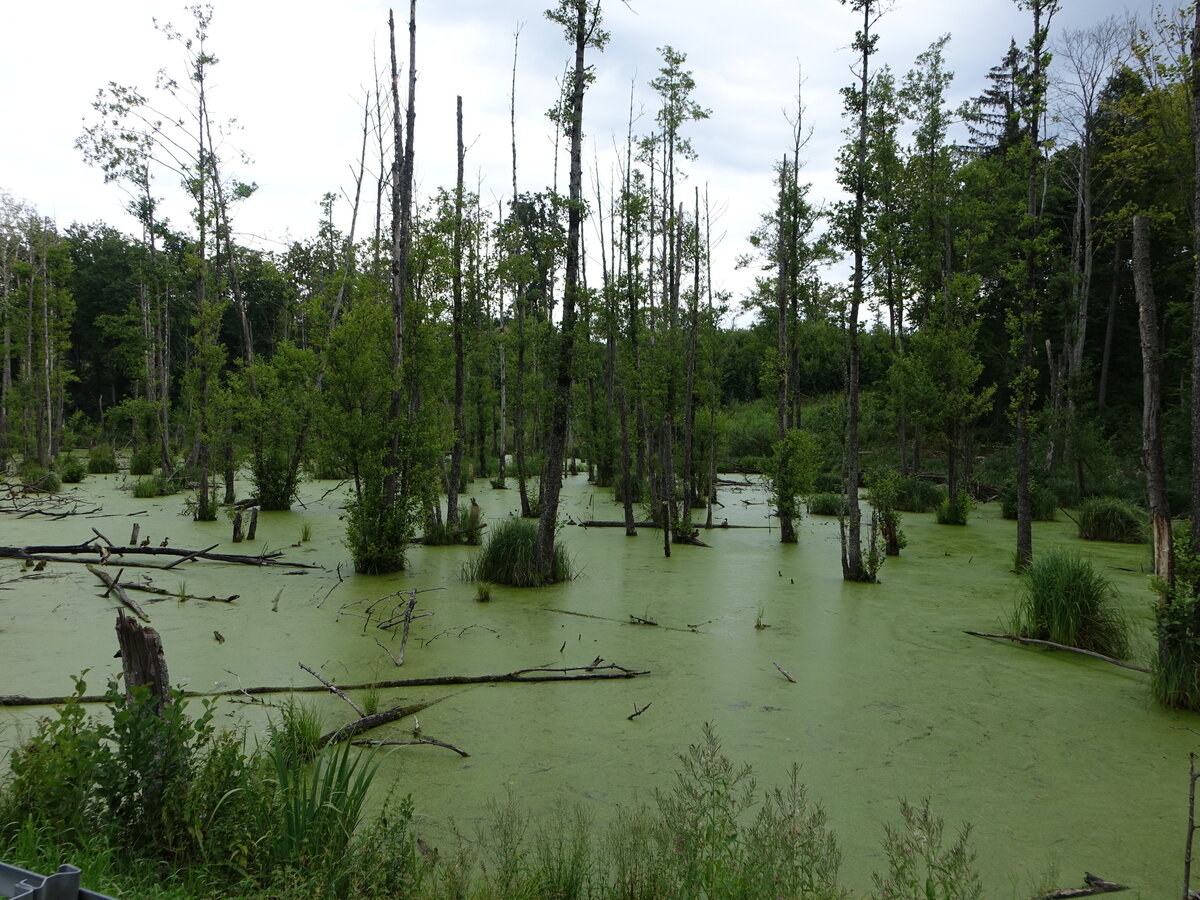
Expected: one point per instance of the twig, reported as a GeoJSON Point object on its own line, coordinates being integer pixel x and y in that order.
{"type": "Point", "coordinates": [784, 672]}
{"type": "Point", "coordinates": [333, 689]}
{"type": "Point", "coordinates": [637, 712]}
{"type": "Point", "coordinates": [435, 743]}
{"type": "Point", "coordinates": [1051, 644]}
{"type": "Point", "coordinates": [103, 538]}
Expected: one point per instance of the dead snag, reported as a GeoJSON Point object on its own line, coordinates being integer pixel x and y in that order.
{"type": "Point", "coordinates": [237, 527]}
{"type": "Point", "coordinates": [253, 525]}
{"type": "Point", "coordinates": [333, 689]}
{"type": "Point", "coordinates": [366, 723]}
{"type": "Point", "coordinates": [142, 659]}
{"type": "Point", "coordinates": [784, 672]}
{"type": "Point", "coordinates": [1092, 885]}
{"type": "Point", "coordinates": [115, 587]}
{"type": "Point", "coordinates": [435, 743]}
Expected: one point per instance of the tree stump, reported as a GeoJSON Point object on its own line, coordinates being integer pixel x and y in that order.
{"type": "Point", "coordinates": [142, 659]}
{"type": "Point", "coordinates": [237, 527]}
{"type": "Point", "coordinates": [253, 525]}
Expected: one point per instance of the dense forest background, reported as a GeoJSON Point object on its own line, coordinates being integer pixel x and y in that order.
{"type": "Point", "coordinates": [966, 314]}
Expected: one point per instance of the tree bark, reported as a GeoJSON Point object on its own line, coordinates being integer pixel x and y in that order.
{"type": "Point", "coordinates": [1152, 442]}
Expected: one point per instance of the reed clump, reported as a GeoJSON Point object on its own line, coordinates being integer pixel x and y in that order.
{"type": "Point", "coordinates": [1111, 519]}
{"type": "Point", "coordinates": [1066, 600]}
{"type": "Point", "coordinates": [508, 557]}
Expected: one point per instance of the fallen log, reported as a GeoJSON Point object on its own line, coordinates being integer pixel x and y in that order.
{"type": "Point", "coordinates": [785, 673]}
{"type": "Point", "coordinates": [1092, 885]}
{"type": "Point", "coordinates": [608, 672]}
{"type": "Point", "coordinates": [633, 620]}
{"type": "Point", "coordinates": [435, 743]}
{"type": "Point", "coordinates": [1054, 646]}
{"type": "Point", "coordinates": [116, 588]}
{"type": "Point", "coordinates": [49, 553]}
{"type": "Point", "coordinates": [604, 523]}
{"type": "Point", "coordinates": [366, 723]}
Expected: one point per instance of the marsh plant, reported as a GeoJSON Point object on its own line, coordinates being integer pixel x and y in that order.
{"type": "Point", "coordinates": [954, 510]}
{"type": "Point", "coordinates": [921, 866]}
{"type": "Point", "coordinates": [1066, 600]}
{"type": "Point", "coordinates": [1175, 671]}
{"type": "Point", "coordinates": [507, 557]}
{"type": "Point", "coordinates": [1110, 519]}
{"type": "Point", "coordinates": [826, 504]}
{"type": "Point", "coordinates": [102, 460]}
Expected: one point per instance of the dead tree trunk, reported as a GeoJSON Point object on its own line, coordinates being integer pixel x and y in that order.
{"type": "Point", "coordinates": [1152, 444]}
{"type": "Point", "coordinates": [142, 660]}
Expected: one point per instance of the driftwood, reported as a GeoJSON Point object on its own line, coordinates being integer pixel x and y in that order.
{"type": "Point", "coordinates": [115, 587]}
{"type": "Point", "coordinates": [435, 743]}
{"type": "Point", "coordinates": [142, 659]}
{"type": "Point", "coordinates": [637, 711]}
{"type": "Point", "coordinates": [408, 617]}
{"type": "Point", "coordinates": [785, 673]}
{"type": "Point", "coordinates": [1053, 646]}
{"type": "Point", "coordinates": [1092, 885]}
{"type": "Point", "coordinates": [366, 723]}
{"type": "Point", "coordinates": [163, 592]}
{"type": "Point", "coordinates": [536, 675]}
{"type": "Point", "coordinates": [629, 621]}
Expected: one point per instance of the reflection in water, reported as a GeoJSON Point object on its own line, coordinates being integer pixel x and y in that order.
{"type": "Point", "coordinates": [1054, 759]}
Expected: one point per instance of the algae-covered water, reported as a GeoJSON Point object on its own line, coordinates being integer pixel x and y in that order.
{"type": "Point", "coordinates": [1057, 761]}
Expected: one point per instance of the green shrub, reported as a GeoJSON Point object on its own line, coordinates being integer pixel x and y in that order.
{"type": "Point", "coordinates": [507, 557]}
{"type": "Point", "coordinates": [919, 867]}
{"type": "Point", "coordinates": [1175, 671]}
{"type": "Point", "coordinates": [915, 494]}
{"type": "Point", "coordinates": [156, 485]}
{"type": "Point", "coordinates": [102, 460]}
{"type": "Point", "coordinates": [439, 534]}
{"type": "Point", "coordinates": [143, 460]}
{"type": "Point", "coordinates": [71, 469]}
{"type": "Point", "coordinates": [954, 510]}
{"type": "Point", "coordinates": [1042, 500]}
{"type": "Point", "coordinates": [1110, 519]}
{"type": "Point", "coordinates": [38, 477]}
{"type": "Point", "coordinates": [1067, 601]}
{"type": "Point", "coordinates": [275, 479]}
{"type": "Point", "coordinates": [827, 483]}
{"type": "Point", "coordinates": [826, 504]}
{"type": "Point", "coordinates": [377, 533]}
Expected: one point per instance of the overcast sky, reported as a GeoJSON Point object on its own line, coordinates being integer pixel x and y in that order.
{"type": "Point", "coordinates": [294, 73]}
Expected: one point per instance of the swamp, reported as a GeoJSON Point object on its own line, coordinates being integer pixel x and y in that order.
{"type": "Point", "coordinates": [1060, 763]}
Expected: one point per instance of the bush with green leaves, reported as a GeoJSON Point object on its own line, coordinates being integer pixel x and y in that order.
{"type": "Point", "coordinates": [826, 504]}
{"type": "Point", "coordinates": [791, 471]}
{"type": "Point", "coordinates": [507, 557]}
{"type": "Point", "coordinates": [377, 532]}
{"type": "Point", "coordinates": [1066, 600]}
{"type": "Point", "coordinates": [38, 476]}
{"type": "Point", "coordinates": [156, 485]}
{"type": "Point", "coordinates": [885, 486]}
{"type": "Point", "coordinates": [920, 866]}
{"type": "Point", "coordinates": [954, 510]}
{"type": "Point", "coordinates": [102, 460]}
{"type": "Point", "coordinates": [71, 469]}
{"type": "Point", "coordinates": [1110, 519]}
{"type": "Point", "coordinates": [1175, 671]}
{"type": "Point", "coordinates": [917, 495]}
{"type": "Point", "coordinates": [143, 460]}
{"type": "Point", "coordinates": [1043, 502]}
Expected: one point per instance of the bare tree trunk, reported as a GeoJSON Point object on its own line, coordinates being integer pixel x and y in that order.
{"type": "Point", "coordinates": [1152, 443]}
{"type": "Point", "coordinates": [1195, 127]}
{"type": "Point", "coordinates": [460, 429]}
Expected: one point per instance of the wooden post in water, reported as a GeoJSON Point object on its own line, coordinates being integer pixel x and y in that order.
{"type": "Point", "coordinates": [237, 527]}
{"type": "Point", "coordinates": [253, 524]}
{"type": "Point", "coordinates": [142, 659]}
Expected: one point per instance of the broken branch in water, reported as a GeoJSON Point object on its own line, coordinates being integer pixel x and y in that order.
{"type": "Point", "coordinates": [784, 672]}
{"type": "Point", "coordinates": [637, 711]}
{"type": "Point", "coordinates": [1053, 646]}
{"type": "Point", "coordinates": [333, 689]}
{"type": "Point", "coordinates": [435, 743]}
{"type": "Point", "coordinates": [49, 553]}
{"type": "Point", "coordinates": [119, 591]}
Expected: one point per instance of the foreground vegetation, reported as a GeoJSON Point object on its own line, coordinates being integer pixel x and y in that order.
{"type": "Point", "coordinates": [158, 805]}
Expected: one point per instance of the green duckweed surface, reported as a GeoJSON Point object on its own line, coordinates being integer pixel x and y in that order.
{"type": "Point", "coordinates": [1059, 762]}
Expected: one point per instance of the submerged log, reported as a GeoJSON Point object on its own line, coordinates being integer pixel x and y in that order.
{"type": "Point", "coordinates": [1053, 646]}
{"type": "Point", "coordinates": [1093, 885]}
{"type": "Point", "coordinates": [366, 723]}
{"type": "Point", "coordinates": [536, 675]}
{"type": "Point", "coordinates": [435, 743]}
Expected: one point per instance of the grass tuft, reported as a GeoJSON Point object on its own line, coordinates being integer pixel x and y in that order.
{"type": "Point", "coordinates": [1110, 519]}
{"type": "Point", "coordinates": [826, 504]}
{"type": "Point", "coordinates": [508, 557]}
{"type": "Point", "coordinates": [1066, 600]}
